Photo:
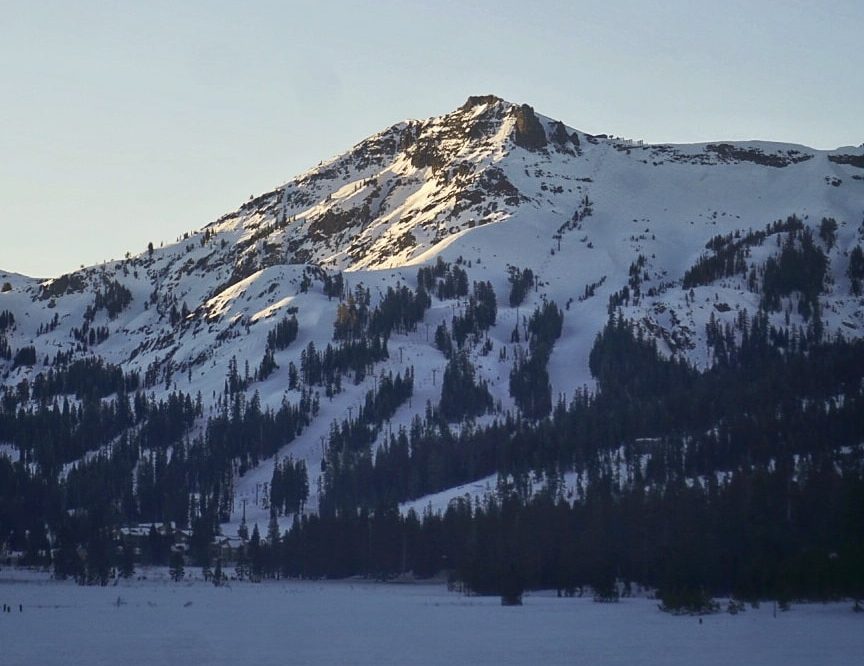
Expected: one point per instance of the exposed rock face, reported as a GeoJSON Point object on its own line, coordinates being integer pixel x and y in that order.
{"type": "Point", "coordinates": [436, 146]}
{"type": "Point", "coordinates": [529, 133]}
{"type": "Point", "coordinates": [496, 183]}
{"type": "Point", "coordinates": [563, 140]}
{"type": "Point", "coordinates": [426, 154]}
{"type": "Point", "coordinates": [407, 137]}
{"type": "Point", "coordinates": [729, 153]}
{"type": "Point", "coordinates": [477, 100]}
{"type": "Point", "coordinates": [852, 160]}
{"type": "Point", "coordinates": [334, 221]}
{"type": "Point", "coordinates": [559, 133]}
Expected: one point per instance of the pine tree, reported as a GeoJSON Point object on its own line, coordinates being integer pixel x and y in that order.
{"type": "Point", "coordinates": [512, 585]}
{"type": "Point", "coordinates": [856, 269]}
{"type": "Point", "coordinates": [256, 558]}
{"type": "Point", "coordinates": [98, 562]}
{"type": "Point", "coordinates": [67, 562]}
{"type": "Point", "coordinates": [273, 529]}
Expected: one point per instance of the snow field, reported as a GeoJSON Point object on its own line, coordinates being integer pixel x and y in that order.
{"type": "Point", "coordinates": [358, 622]}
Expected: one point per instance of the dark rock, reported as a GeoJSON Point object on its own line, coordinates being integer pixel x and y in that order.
{"type": "Point", "coordinates": [529, 133]}
{"type": "Point", "coordinates": [851, 160]}
{"type": "Point", "coordinates": [495, 182]}
{"type": "Point", "coordinates": [71, 283]}
{"type": "Point", "coordinates": [426, 154]}
{"type": "Point", "coordinates": [564, 141]}
{"type": "Point", "coordinates": [334, 221]}
{"type": "Point", "coordinates": [559, 133]}
{"type": "Point", "coordinates": [407, 138]}
{"type": "Point", "coordinates": [726, 152]}
{"type": "Point", "coordinates": [477, 100]}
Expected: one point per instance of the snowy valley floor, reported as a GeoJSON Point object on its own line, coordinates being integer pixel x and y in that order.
{"type": "Point", "coordinates": [159, 622]}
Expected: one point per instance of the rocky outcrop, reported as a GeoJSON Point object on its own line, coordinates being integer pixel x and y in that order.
{"type": "Point", "coordinates": [529, 132]}
{"type": "Point", "coordinates": [726, 152]}
{"type": "Point", "coordinates": [334, 221]}
{"type": "Point", "coordinates": [563, 140]}
{"type": "Point", "coordinates": [477, 100]}
{"type": "Point", "coordinates": [407, 137]}
{"type": "Point", "coordinates": [426, 154]}
{"type": "Point", "coordinates": [851, 160]}
{"type": "Point", "coordinates": [497, 184]}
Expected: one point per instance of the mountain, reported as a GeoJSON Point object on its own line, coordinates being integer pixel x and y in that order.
{"type": "Point", "coordinates": [687, 243]}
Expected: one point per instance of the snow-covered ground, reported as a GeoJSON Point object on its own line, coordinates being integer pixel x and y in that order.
{"type": "Point", "coordinates": [158, 622]}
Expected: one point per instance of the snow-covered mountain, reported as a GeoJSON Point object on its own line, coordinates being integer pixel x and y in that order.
{"type": "Point", "coordinates": [493, 186]}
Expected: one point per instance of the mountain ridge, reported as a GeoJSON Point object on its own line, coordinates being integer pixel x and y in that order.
{"type": "Point", "coordinates": [491, 187]}
{"type": "Point", "coordinates": [370, 149]}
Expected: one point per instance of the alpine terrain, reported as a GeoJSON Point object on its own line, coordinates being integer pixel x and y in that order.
{"type": "Point", "coordinates": [485, 343]}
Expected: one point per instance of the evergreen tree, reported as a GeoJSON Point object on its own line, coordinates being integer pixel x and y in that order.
{"type": "Point", "coordinates": [98, 558]}
{"type": "Point", "coordinates": [461, 396]}
{"type": "Point", "coordinates": [855, 271]}
{"type": "Point", "coordinates": [256, 555]}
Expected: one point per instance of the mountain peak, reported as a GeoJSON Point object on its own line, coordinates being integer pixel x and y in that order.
{"type": "Point", "coordinates": [480, 100]}
{"type": "Point", "coordinates": [675, 238]}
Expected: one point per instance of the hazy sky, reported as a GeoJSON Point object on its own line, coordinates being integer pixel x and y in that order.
{"type": "Point", "coordinates": [128, 122]}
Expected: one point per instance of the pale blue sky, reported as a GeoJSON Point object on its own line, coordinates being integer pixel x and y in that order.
{"type": "Point", "coordinates": [122, 122]}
